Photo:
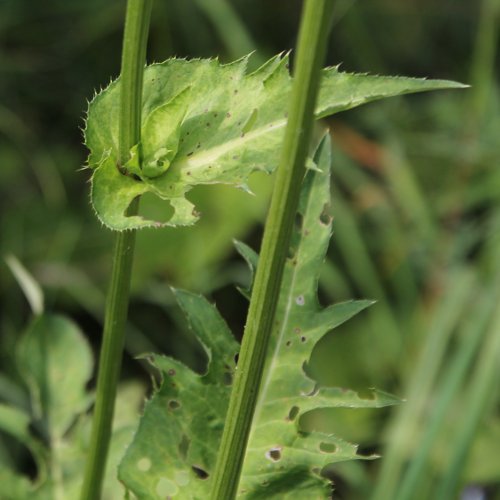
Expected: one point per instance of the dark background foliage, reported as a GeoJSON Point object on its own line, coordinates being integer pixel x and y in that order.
{"type": "Point", "coordinates": [415, 199]}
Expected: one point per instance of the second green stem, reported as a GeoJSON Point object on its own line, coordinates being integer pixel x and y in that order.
{"type": "Point", "coordinates": [311, 47]}
{"type": "Point", "coordinates": [133, 60]}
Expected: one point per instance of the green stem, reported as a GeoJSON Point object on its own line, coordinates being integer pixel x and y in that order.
{"type": "Point", "coordinates": [133, 60]}
{"type": "Point", "coordinates": [483, 63]}
{"type": "Point", "coordinates": [311, 47]}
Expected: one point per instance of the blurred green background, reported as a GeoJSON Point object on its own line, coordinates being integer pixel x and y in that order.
{"type": "Point", "coordinates": [416, 201]}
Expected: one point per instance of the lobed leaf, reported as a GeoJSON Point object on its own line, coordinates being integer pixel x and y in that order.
{"type": "Point", "coordinates": [176, 443]}
{"type": "Point", "coordinates": [277, 442]}
{"type": "Point", "coordinates": [207, 123]}
{"type": "Point", "coordinates": [282, 460]}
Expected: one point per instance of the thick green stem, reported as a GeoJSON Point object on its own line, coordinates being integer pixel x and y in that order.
{"type": "Point", "coordinates": [133, 60]}
{"type": "Point", "coordinates": [311, 47]}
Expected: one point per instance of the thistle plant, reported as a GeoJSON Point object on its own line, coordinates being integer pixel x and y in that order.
{"type": "Point", "coordinates": [182, 123]}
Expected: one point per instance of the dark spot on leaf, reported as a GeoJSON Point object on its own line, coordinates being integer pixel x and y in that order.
{"type": "Point", "coordinates": [188, 173]}
{"type": "Point", "coordinates": [328, 447]}
{"type": "Point", "coordinates": [200, 473]}
{"type": "Point", "coordinates": [210, 166]}
{"type": "Point", "coordinates": [189, 154]}
{"type": "Point", "coordinates": [235, 157]}
{"type": "Point", "coordinates": [235, 91]}
{"type": "Point", "coordinates": [215, 115]}
{"type": "Point", "coordinates": [292, 414]}
{"type": "Point", "coordinates": [288, 343]}
{"type": "Point", "coordinates": [303, 339]}
{"type": "Point", "coordinates": [228, 115]}
{"type": "Point", "coordinates": [198, 146]}
{"type": "Point", "coordinates": [171, 372]}
{"type": "Point", "coordinates": [187, 133]}
{"type": "Point", "coordinates": [236, 358]}
{"type": "Point", "coordinates": [274, 454]}
{"type": "Point", "coordinates": [208, 124]}
{"type": "Point", "coordinates": [173, 404]}
{"type": "Point", "coordinates": [325, 218]}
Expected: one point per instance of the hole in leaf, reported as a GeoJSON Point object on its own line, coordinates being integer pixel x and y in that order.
{"type": "Point", "coordinates": [294, 411]}
{"type": "Point", "coordinates": [236, 357]}
{"type": "Point", "coordinates": [200, 473]}
{"type": "Point", "coordinates": [300, 300]}
{"type": "Point", "coordinates": [274, 454]}
{"type": "Point", "coordinates": [183, 446]}
{"type": "Point", "coordinates": [173, 404]}
{"type": "Point", "coordinates": [328, 447]}
{"type": "Point", "coordinates": [154, 208]}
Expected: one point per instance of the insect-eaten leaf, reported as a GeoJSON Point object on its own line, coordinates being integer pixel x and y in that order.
{"type": "Point", "coordinates": [176, 445]}
{"type": "Point", "coordinates": [207, 123]}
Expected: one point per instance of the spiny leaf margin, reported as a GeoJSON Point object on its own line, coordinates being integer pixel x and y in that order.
{"type": "Point", "coordinates": [213, 123]}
